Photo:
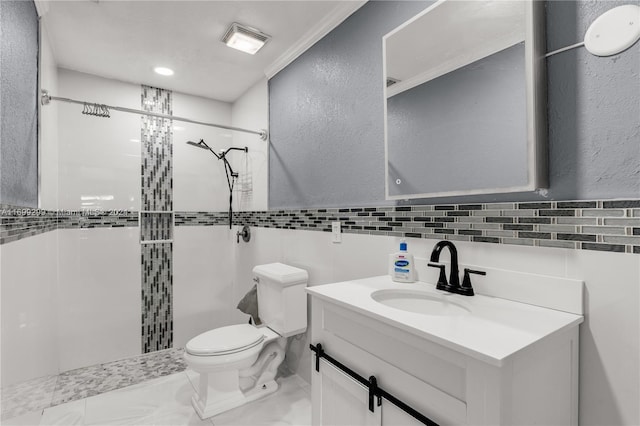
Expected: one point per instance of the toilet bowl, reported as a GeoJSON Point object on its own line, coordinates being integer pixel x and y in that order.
{"type": "Point", "coordinates": [238, 363]}
{"type": "Point", "coordinates": [223, 358]}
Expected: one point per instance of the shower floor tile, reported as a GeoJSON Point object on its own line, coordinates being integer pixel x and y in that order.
{"type": "Point", "coordinates": [74, 385]}
{"type": "Point", "coordinates": [26, 397]}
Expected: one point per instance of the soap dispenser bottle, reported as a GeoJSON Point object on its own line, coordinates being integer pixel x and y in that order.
{"type": "Point", "coordinates": [403, 267]}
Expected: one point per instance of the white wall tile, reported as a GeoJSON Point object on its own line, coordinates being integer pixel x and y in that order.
{"type": "Point", "coordinates": [537, 260]}
{"type": "Point", "coordinates": [312, 251]}
{"type": "Point", "coordinates": [203, 271]}
{"type": "Point", "coordinates": [265, 247]}
{"type": "Point", "coordinates": [99, 158]}
{"type": "Point", "coordinates": [609, 337]}
{"type": "Point", "coordinates": [99, 294]}
{"type": "Point", "coordinates": [28, 270]}
{"type": "Point", "coordinates": [360, 256]}
{"type": "Point", "coordinates": [199, 182]}
{"type": "Point", "coordinates": [251, 111]}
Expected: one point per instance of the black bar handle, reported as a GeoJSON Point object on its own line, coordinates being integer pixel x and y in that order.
{"type": "Point", "coordinates": [372, 384]}
{"type": "Point", "coordinates": [373, 388]}
{"type": "Point", "coordinates": [466, 288]}
{"type": "Point", "coordinates": [319, 354]}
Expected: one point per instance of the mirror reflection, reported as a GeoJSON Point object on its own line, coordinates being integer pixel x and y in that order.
{"type": "Point", "coordinates": [458, 111]}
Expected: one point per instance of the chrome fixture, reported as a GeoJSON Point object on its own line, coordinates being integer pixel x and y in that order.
{"type": "Point", "coordinates": [245, 39]}
{"type": "Point", "coordinates": [453, 285]}
{"type": "Point", "coordinates": [245, 233]}
{"type": "Point", "coordinates": [102, 110]}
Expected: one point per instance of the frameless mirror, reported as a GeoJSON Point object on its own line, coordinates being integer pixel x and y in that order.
{"type": "Point", "coordinates": [465, 98]}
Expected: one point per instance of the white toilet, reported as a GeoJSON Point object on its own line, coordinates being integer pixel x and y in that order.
{"type": "Point", "coordinates": [238, 363]}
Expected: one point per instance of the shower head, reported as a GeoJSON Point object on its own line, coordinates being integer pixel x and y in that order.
{"type": "Point", "coordinates": [200, 144]}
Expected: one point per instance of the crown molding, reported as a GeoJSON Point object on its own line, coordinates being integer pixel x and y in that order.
{"type": "Point", "coordinates": [341, 12]}
{"type": "Point", "coordinates": [42, 7]}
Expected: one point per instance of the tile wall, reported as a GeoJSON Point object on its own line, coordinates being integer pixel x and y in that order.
{"type": "Point", "coordinates": [609, 372]}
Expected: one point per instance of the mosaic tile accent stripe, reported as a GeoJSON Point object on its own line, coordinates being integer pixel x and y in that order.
{"type": "Point", "coordinates": [202, 218]}
{"type": "Point", "coordinates": [17, 223]}
{"type": "Point", "coordinates": [588, 225]}
{"type": "Point", "coordinates": [86, 220]}
{"type": "Point", "coordinates": [612, 225]}
{"type": "Point", "coordinates": [156, 197]}
{"type": "Point", "coordinates": [157, 297]}
{"type": "Point", "coordinates": [45, 392]}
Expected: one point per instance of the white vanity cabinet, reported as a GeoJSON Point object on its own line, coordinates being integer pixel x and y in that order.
{"type": "Point", "coordinates": [538, 384]}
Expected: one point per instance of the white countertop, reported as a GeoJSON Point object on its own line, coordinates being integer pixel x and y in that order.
{"type": "Point", "coordinates": [494, 330]}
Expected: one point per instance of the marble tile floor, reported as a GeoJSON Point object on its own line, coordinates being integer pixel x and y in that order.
{"type": "Point", "coordinates": [167, 401]}
{"type": "Point", "coordinates": [38, 394]}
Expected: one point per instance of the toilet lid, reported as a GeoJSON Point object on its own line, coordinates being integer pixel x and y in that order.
{"type": "Point", "coordinates": [225, 340]}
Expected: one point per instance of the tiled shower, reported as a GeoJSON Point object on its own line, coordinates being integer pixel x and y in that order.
{"type": "Point", "coordinates": [107, 251]}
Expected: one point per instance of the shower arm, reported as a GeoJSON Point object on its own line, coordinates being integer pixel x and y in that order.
{"type": "Point", "coordinates": [222, 156]}
{"type": "Point", "coordinates": [227, 169]}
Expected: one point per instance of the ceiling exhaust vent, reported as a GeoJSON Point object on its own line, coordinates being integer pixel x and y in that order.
{"type": "Point", "coordinates": [245, 39]}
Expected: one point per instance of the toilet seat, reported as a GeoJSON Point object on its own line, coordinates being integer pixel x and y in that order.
{"type": "Point", "coordinates": [225, 340]}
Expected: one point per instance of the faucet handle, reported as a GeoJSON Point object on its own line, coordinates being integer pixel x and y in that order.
{"type": "Point", "coordinates": [466, 287]}
{"type": "Point", "coordinates": [442, 279]}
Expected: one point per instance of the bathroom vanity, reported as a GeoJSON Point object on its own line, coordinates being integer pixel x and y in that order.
{"type": "Point", "coordinates": [476, 360]}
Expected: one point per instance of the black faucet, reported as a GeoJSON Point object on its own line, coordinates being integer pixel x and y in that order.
{"type": "Point", "coordinates": [453, 285]}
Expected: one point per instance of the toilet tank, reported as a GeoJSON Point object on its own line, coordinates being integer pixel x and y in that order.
{"type": "Point", "coordinates": [282, 301]}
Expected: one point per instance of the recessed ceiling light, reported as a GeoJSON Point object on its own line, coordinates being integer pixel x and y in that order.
{"type": "Point", "coordinates": [245, 39]}
{"type": "Point", "coordinates": [163, 71]}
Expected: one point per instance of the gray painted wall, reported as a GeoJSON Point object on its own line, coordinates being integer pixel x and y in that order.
{"type": "Point", "coordinates": [452, 133]}
{"type": "Point", "coordinates": [326, 115]}
{"type": "Point", "coordinates": [19, 108]}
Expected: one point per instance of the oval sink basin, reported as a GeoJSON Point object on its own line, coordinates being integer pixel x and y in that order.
{"type": "Point", "coordinates": [419, 302]}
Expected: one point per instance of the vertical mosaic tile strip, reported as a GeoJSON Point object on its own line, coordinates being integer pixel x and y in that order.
{"type": "Point", "coordinates": [612, 226]}
{"type": "Point", "coordinates": [156, 226]}
{"type": "Point", "coordinates": [157, 151]}
{"type": "Point", "coordinates": [156, 198]}
{"type": "Point", "coordinates": [157, 297]}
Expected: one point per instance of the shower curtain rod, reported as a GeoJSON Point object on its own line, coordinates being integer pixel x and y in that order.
{"type": "Point", "coordinates": [46, 98]}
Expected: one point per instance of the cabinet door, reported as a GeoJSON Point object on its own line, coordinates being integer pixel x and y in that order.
{"type": "Point", "coordinates": [342, 401]}
{"type": "Point", "coordinates": [393, 416]}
